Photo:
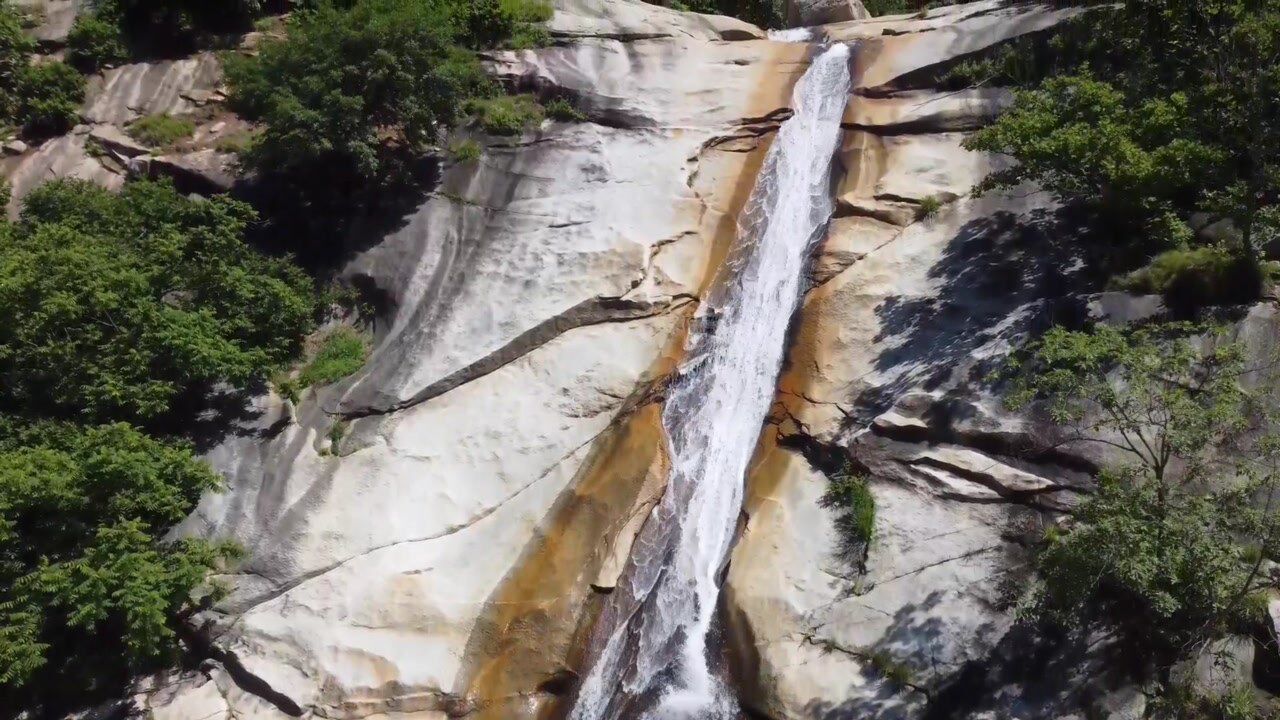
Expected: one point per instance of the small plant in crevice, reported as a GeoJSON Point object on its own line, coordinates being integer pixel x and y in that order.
{"type": "Point", "coordinates": [505, 114]}
{"type": "Point", "coordinates": [849, 496]}
{"type": "Point", "coordinates": [897, 674]}
{"type": "Point", "coordinates": [930, 205]}
{"type": "Point", "coordinates": [161, 130]}
{"type": "Point", "coordinates": [337, 431]}
{"type": "Point", "coordinates": [564, 111]}
{"type": "Point", "coordinates": [465, 151]}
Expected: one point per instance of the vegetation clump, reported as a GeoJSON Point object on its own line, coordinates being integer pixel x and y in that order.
{"type": "Point", "coordinates": [15, 51]}
{"type": "Point", "coordinates": [125, 309]}
{"type": "Point", "coordinates": [849, 496]}
{"type": "Point", "coordinates": [95, 42]}
{"type": "Point", "coordinates": [122, 303]}
{"type": "Point", "coordinates": [506, 114]}
{"type": "Point", "coordinates": [341, 353]}
{"type": "Point", "coordinates": [1191, 278]}
{"type": "Point", "coordinates": [48, 98]}
{"type": "Point", "coordinates": [356, 93]}
{"type": "Point", "coordinates": [162, 130]}
{"type": "Point", "coordinates": [564, 111]}
{"type": "Point", "coordinates": [1155, 123]}
{"type": "Point", "coordinates": [89, 591]}
{"type": "Point", "coordinates": [1171, 548]}
{"type": "Point", "coordinates": [466, 151]}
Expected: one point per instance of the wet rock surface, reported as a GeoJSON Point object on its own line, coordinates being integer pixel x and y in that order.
{"type": "Point", "coordinates": [500, 450]}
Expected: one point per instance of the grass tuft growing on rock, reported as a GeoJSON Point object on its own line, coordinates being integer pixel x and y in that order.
{"type": "Point", "coordinates": [563, 110]}
{"type": "Point", "coordinates": [930, 205]}
{"type": "Point", "coordinates": [850, 497]}
{"type": "Point", "coordinates": [342, 352]}
{"type": "Point", "coordinates": [160, 131]}
{"type": "Point", "coordinates": [339, 352]}
{"type": "Point", "coordinates": [506, 114]}
{"type": "Point", "coordinates": [465, 151]}
{"type": "Point", "coordinates": [1197, 277]}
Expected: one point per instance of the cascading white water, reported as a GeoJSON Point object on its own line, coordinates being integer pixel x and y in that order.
{"type": "Point", "coordinates": [713, 415]}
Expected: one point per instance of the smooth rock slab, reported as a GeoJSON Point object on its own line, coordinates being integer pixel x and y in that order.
{"type": "Point", "coordinates": [63, 157]}
{"type": "Point", "coordinates": [126, 93]}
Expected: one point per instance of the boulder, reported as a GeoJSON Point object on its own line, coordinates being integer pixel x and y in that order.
{"type": "Point", "coordinates": [807, 13]}
{"type": "Point", "coordinates": [116, 140]}
{"type": "Point", "coordinates": [53, 19]}
{"type": "Point", "coordinates": [204, 172]}
{"type": "Point", "coordinates": [1218, 668]}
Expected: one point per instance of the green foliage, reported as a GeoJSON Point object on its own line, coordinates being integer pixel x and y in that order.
{"type": "Point", "coordinates": [1081, 140]}
{"type": "Point", "coordinates": [15, 50]}
{"type": "Point", "coordinates": [466, 151]}
{"type": "Point", "coordinates": [1197, 277]}
{"type": "Point", "coordinates": [564, 111]}
{"type": "Point", "coordinates": [1171, 545]}
{"type": "Point", "coordinates": [930, 205]}
{"type": "Point", "coordinates": [120, 303]}
{"type": "Point", "coordinates": [896, 673]}
{"type": "Point", "coordinates": [1178, 125]}
{"type": "Point", "coordinates": [1171, 568]}
{"type": "Point", "coordinates": [236, 142]}
{"type": "Point", "coordinates": [357, 93]}
{"type": "Point", "coordinates": [160, 131]}
{"type": "Point", "coordinates": [506, 114]}
{"type": "Point", "coordinates": [95, 42]}
{"type": "Point", "coordinates": [88, 590]}
{"type": "Point", "coordinates": [49, 97]}
{"type": "Point", "coordinates": [342, 352]}
{"type": "Point", "coordinates": [849, 496]}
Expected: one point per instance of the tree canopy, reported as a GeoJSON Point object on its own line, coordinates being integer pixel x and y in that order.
{"type": "Point", "coordinates": [356, 92]}
{"type": "Point", "coordinates": [120, 303]}
{"type": "Point", "coordinates": [1171, 546]}
{"type": "Point", "coordinates": [1176, 110]}
{"type": "Point", "coordinates": [89, 592]}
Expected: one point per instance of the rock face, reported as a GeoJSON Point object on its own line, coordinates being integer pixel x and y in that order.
{"type": "Point", "coordinates": [53, 18]}
{"type": "Point", "coordinates": [807, 13]}
{"type": "Point", "coordinates": [432, 537]}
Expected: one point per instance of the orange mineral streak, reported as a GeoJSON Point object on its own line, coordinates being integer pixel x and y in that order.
{"type": "Point", "coordinates": [527, 646]}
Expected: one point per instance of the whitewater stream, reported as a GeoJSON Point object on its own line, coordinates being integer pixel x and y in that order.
{"type": "Point", "coordinates": [652, 656]}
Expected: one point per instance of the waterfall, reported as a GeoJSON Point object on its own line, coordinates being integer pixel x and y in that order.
{"type": "Point", "coordinates": [653, 662]}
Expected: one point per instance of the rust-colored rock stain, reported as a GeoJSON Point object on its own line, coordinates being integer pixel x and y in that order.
{"type": "Point", "coordinates": [526, 649]}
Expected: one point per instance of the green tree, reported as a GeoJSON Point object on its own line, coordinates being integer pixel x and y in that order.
{"type": "Point", "coordinates": [356, 93]}
{"type": "Point", "coordinates": [116, 30]}
{"type": "Point", "coordinates": [1185, 120]}
{"type": "Point", "coordinates": [1172, 544]}
{"type": "Point", "coordinates": [49, 97]}
{"type": "Point", "coordinates": [96, 41]}
{"type": "Point", "coordinates": [15, 52]}
{"type": "Point", "coordinates": [121, 303]}
{"type": "Point", "coordinates": [89, 590]}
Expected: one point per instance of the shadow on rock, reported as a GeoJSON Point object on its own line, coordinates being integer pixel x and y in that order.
{"type": "Point", "coordinates": [1000, 278]}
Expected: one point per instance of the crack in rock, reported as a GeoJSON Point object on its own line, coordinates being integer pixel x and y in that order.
{"type": "Point", "coordinates": [595, 311]}
{"type": "Point", "coordinates": [450, 530]}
